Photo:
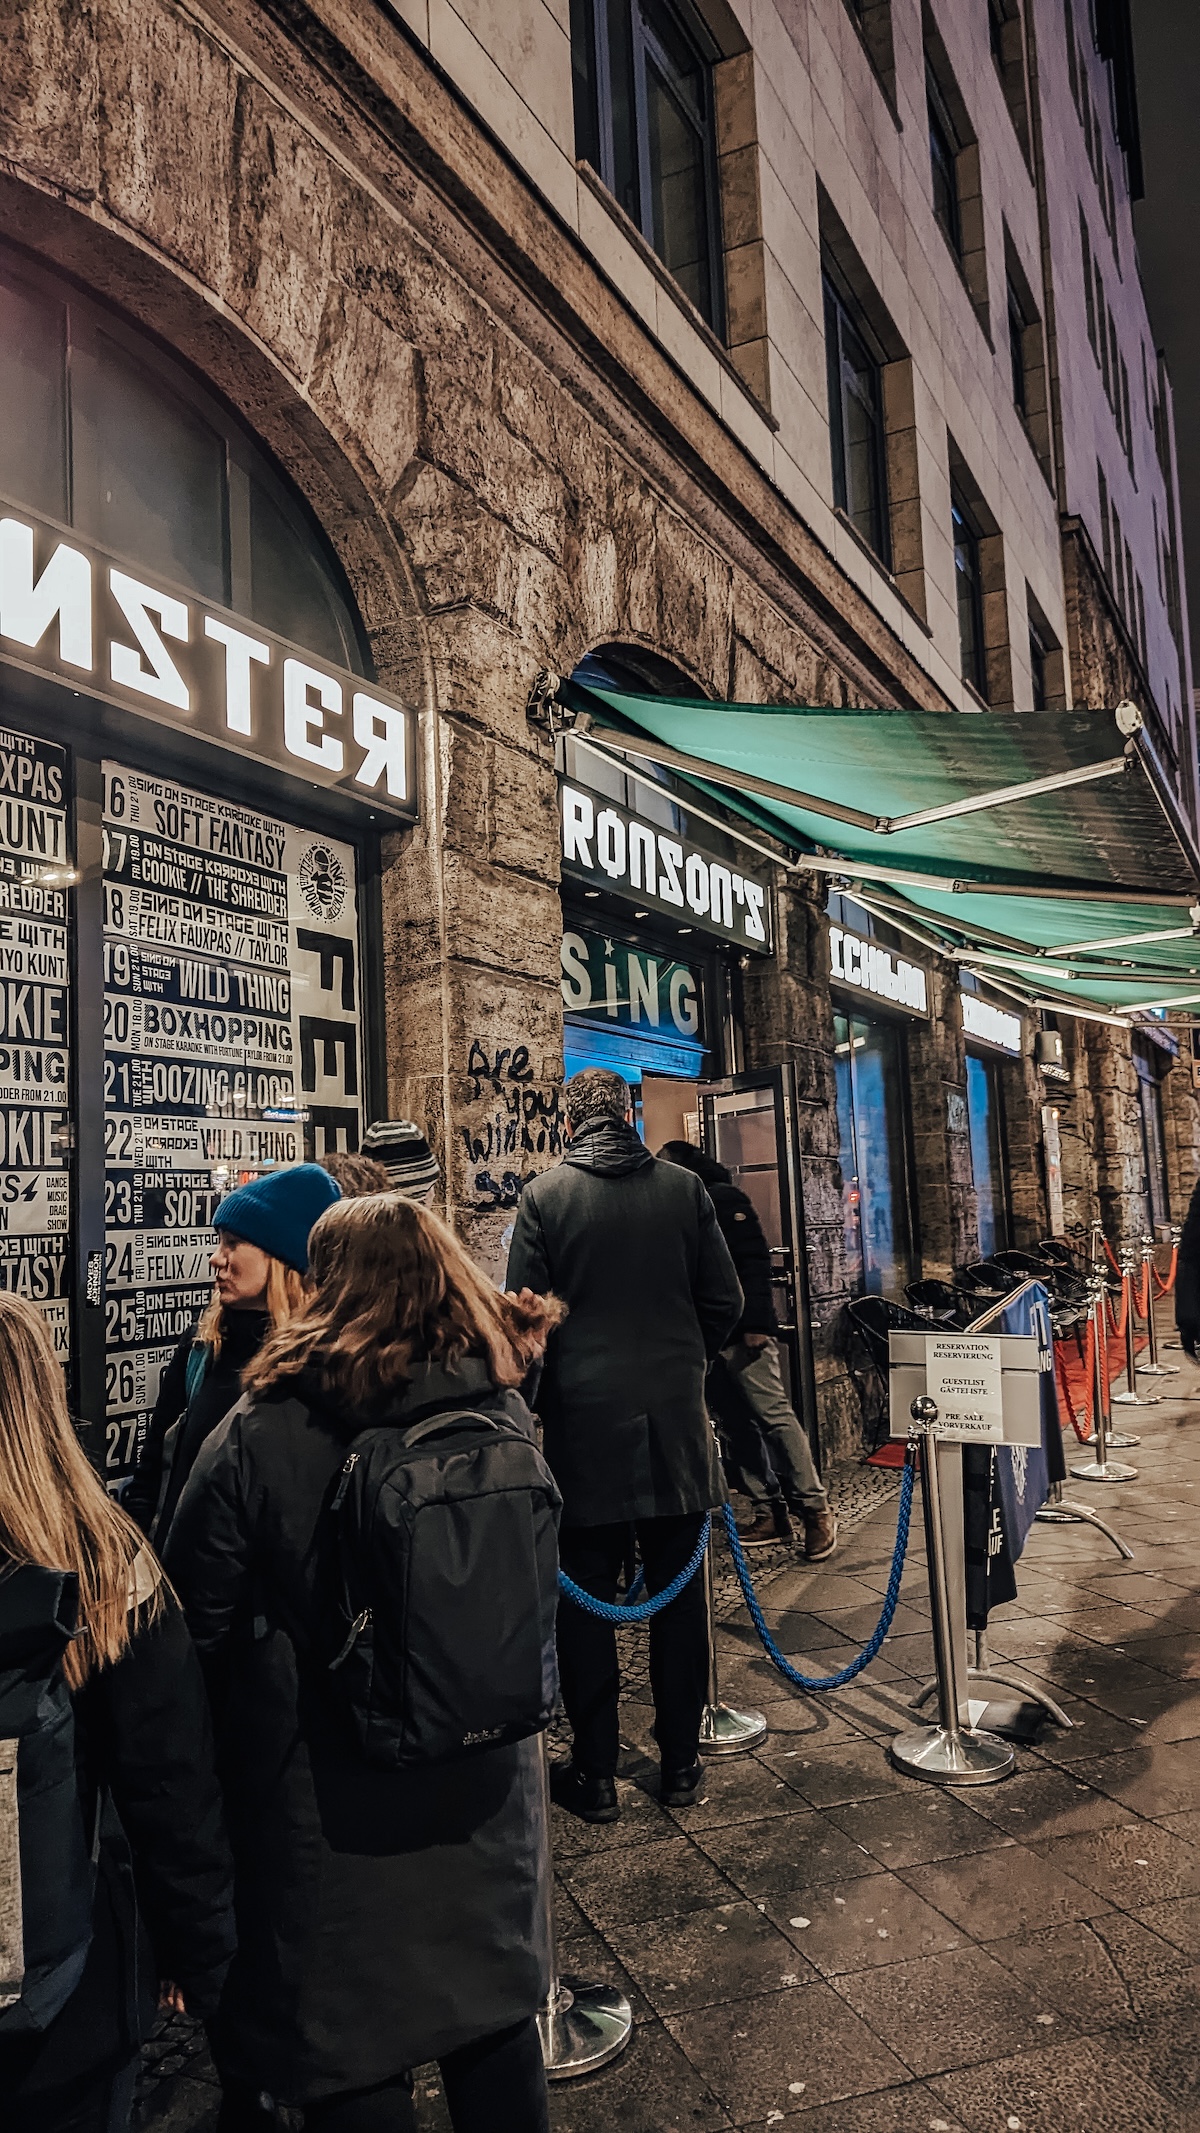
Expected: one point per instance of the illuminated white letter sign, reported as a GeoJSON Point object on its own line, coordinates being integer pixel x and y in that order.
{"type": "Point", "coordinates": [870, 968]}
{"type": "Point", "coordinates": [991, 1024]}
{"type": "Point", "coordinates": [72, 612]}
{"type": "Point", "coordinates": [614, 849]}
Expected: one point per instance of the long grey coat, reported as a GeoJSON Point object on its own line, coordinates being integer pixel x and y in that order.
{"type": "Point", "coordinates": [384, 1918]}
{"type": "Point", "coordinates": [633, 1247]}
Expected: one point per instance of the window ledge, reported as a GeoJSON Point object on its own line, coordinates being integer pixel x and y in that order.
{"type": "Point", "coordinates": [881, 84]}
{"type": "Point", "coordinates": [980, 702]}
{"type": "Point", "coordinates": [666, 280]}
{"type": "Point", "coordinates": [847, 523]}
{"type": "Point", "coordinates": [960, 270]}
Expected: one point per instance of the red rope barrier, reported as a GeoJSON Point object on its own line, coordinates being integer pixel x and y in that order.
{"type": "Point", "coordinates": [1144, 1286]}
{"type": "Point", "coordinates": [1111, 1257]}
{"type": "Point", "coordinates": [1164, 1288]}
{"type": "Point", "coordinates": [1081, 1421]}
{"type": "Point", "coordinates": [1118, 1324]}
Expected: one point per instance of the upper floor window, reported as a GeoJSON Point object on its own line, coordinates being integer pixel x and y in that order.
{"type": "Point", "coordinates": [968, 581]}
{"type": "Point", "coordinates": [856, 426]}
{"type": "Point", "coordinates": [116, 440]}
{"type": "Point", "coordinates": [1016, 347]}
{"type": "Point", "coordinates": [943, 159]}
{"type": "Point", "coordinates": [644, 120]}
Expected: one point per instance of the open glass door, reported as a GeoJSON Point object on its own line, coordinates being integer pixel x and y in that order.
{"type": "Point", "coordinates": [748, 1123]}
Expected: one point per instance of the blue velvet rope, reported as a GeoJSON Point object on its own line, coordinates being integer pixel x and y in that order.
{"type": "Point", "coordinates": [831, 1681]}
{"type": "Point", "coordinates": [643, 1609]}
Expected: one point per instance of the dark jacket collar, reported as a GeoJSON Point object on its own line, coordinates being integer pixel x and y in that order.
{"type": "Point", "coordinates": [607, 1147]}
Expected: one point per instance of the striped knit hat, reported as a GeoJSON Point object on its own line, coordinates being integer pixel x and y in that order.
{"type": "Point", "coordinates": [405, 1154]}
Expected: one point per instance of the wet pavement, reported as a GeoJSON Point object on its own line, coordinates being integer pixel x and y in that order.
{"type": "Point", "coordinates": [825, 1944]}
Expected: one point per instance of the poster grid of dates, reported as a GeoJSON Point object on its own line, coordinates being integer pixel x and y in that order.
{"type": "Point", "coordinates": [35, 1127]}
{"type": "Point", "coordinates": [232, 1043]}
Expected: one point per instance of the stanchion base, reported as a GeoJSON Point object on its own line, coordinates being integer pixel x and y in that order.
{"type": "Point", "coordinates": [582, 2027]}
{"type": "Point", "coordinates": [943, 1758]}
{"type": "Point", "coordinates": [724, 1731]}
{"type": "Point", "coordinates": [1080, 1514]}
{"type": "Point", "coordinates": [1158, 1370]}
{"type": "Point", "coordinates": [1122, 1440]}
{"type": "Point", "coordinates": [1136, 1399]}
{"type": "Point", "coordinates": [1112, 1470]}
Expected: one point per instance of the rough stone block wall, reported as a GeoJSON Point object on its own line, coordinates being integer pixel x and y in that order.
{"type": "Point", "coordinates": [946, 1216]}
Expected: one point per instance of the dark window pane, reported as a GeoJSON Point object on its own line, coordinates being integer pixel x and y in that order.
{"type": "Point", "coordinates": [985, 1122]}
{"type": "Point", "coordinates": [970, 603]}
{"type": "Point", "coordinates": [996, 31]}
{"type": "Point", "coordinates": [583, 79]}
{"type": "Point", "coordinates": [626, 182]}
{"type": "Point", "coordinates": [856, 425]}
{"type": "Point", "coordinates": [880, 1147]}
{"type": "Point", "coordinates": [291, 592]}
{"type": "Point", "coordinates": [33, 444]}
{"type": "Point", "coordinates": [149, 473]}
{"type": "Point", "coordinates": [1016, 349]}
{"type": "Point", "coordinates": [943, 156]}
{"type": "Point", "coordinates": [1037, 668]}
{"type": "Point", "coordinates": [678, 202]}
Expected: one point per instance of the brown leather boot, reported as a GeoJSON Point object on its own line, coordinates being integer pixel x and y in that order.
{"type": "Point", "coordinates": [820, 1534]}
{"type": "Point", "coordinates": [771, 1525]}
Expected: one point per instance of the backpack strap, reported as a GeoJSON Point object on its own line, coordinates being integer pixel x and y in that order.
{"type": "Point", "coordinates": [199, 1359]}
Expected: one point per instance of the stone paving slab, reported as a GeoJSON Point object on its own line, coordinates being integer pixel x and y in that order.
{"type": "Point", "coordinates": [823, 1945]}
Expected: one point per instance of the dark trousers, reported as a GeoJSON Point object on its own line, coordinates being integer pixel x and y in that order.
{"type": "Point", "coordinates": [90, 2104]}
{"type": "Point", "coordinates": [587, 1648]}
{"type": "Point", "coordinates": [496, 2085]}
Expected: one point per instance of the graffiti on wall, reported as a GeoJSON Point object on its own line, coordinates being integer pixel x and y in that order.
{"type": "Point", "coordinates": [513, 1118]}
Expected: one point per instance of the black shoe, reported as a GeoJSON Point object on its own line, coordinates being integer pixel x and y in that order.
{"type": "Point", "coordinates": [593, 1799]}
{"type": "Point", "coordinates": [681, 1788]}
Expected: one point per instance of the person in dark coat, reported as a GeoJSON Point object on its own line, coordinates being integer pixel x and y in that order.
{"type": "Point", "coordinates": [258, 1268]}
{"type": "Point", "coordinates": [386, 1918]}
{"type": "Point", "coordinates": [162, 1906]}
{"type": "Point", "coordinates": [786, 1484]}
{"type": "Point", "coordinates": [633, 1248]}
{"type": "Point", "coordinates": [1187, 1280]}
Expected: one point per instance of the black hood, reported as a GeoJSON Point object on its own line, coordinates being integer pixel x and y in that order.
{"type": "Point", "coordinates": [688, 1157]}
{"type": "Point", "coordinates": [607, 1147]}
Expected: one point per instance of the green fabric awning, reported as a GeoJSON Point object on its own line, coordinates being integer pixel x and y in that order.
{"type": "Point", "coordinates": [1011, 838]}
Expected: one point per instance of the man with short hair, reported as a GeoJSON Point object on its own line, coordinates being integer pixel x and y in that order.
{"type": "Point", "coordinates": [634, 1249]}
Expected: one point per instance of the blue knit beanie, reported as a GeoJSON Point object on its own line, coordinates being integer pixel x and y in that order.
{"type": "Point", "coordinates": [277, 1211]}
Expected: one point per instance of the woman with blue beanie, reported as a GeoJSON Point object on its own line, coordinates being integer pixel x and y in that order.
{"type": "Point", "coordinates": [259, 1269]}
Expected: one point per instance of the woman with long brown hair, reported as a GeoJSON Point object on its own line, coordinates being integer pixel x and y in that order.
{"type": "Point", "coordinates": [259, 1268]}
{"type": "Point", "coordinates": [386, 1916]}
{"type": "Point", "coordinates": [142, 1790]}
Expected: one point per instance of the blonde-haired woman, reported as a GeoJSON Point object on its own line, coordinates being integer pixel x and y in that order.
{"type": "Point", "coordinates": [259, 1269]}
{"type": "Point", "coordinates": [385, 1917]}
{"type": "Point", "coordinates": [97, 1945]}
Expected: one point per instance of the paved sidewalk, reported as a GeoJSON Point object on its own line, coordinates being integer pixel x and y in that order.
{"type": "Point", "coordinates": [825, 1945]}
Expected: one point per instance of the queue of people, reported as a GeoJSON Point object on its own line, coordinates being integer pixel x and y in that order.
{"type": "Point", "coordinates": [298, 1784]}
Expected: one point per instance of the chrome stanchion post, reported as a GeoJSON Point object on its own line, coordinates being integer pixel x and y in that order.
{"type": "Point", "coordinates": [724, 1731]}
{"type": "Point", "coordinates": [1122, 1440]}
{"type": "Point", "coordinates": [948, 1753]}
{"type": "Point", "coordinates": [581, 2026]}
{"type": "Point", "coordinates": [1153, 1369]}
{"type": "Point", "coordinates": [1101, 1468]}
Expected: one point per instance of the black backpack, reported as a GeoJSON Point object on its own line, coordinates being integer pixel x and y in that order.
{"type": "Point", "coordinates": [444, 1546]}
{"type": "Point", "coordinates": [47, 1876]}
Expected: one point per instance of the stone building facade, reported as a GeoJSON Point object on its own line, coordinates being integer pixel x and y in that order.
{"type": "Point", "coordinates": [366, 229]}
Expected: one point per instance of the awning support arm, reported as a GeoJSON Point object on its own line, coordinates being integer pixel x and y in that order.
{"type": "Point", "coordinates": [1090, 774]}
{"type": "Point", "coordinates": [696, 766]}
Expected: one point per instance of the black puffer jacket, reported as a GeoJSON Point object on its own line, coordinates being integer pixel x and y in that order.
{"type": "Point", "coordinates": [634, 1249]}
{"type": "Point", "coordinates": [1187, 1279]}
{"type": "Point", "coordinates": [742, 1231]}
{"type": "Point", "coordinates": [384, 1917]}
{"type": "Point", "coordinates": [164, 1889]}
{"type": "Point", "coordinates": [178, 1427]}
